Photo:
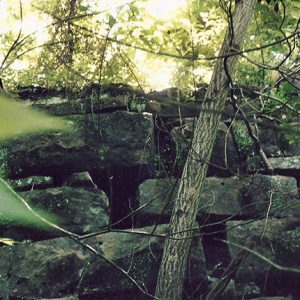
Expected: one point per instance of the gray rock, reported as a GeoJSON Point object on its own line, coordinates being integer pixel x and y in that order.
{"type": "Point", "coordinates": [287, 166]}
{"type": "Point", "coordinates": [294, 148]}
{"type": "Point", "coordinates": [61, 267]}
{"type": "Point", "coordinates": [248, 196]}
{"type": "Point", "coordinates": [82, 106]}
{"type": "Point", "coordinates": [272, 138]}
{"type": "Point", "coordinates": [80, 210]}
{"type": "Point", "coordinates": [285, 163]}
{"type": "Point", "coordinates": [171, 108]}
{"type": "Point", "coordinates": [155, 199]}
{"type": "Point", "coordinates": [278, 242]}
{"type": "Point", "coordinates": [270, 196]}
{"type": "Point", "coordinates": [82, 179]}
{"type": "Point", "coordinates": [29, 183]}
{"type": "Point", "coordinates": [96, 141]}
{"type": "Point", "coordinates": [140, 256]}
{"type": "Point", "coordinates": [49, 269]}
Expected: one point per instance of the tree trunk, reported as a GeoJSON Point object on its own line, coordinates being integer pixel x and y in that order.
{"type": "Point", "coordinates": [70, 33]}
{"type": "Point", "coordinates": [172, 270]}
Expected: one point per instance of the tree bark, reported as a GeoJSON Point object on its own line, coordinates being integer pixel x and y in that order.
{"type": "Point", "coordinates": [173, 266]}
{"type": "Point", "coordinates": [70, 33]}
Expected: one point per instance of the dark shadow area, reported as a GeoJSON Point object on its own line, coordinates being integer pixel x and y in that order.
{"type": "Point", "coordinates": [121, 184]}
{"type": "Point", "coordinates": [216, 253]}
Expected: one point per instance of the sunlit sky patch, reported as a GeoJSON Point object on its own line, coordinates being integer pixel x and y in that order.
{"type": "Point", "coordinates": [165, 9]}
{"type": "Point", "coordinates": [158, 73]}
{"type": "Point", "coordinates": [162, 9]}
{"type": "Point", "coordinates": [31, 23]}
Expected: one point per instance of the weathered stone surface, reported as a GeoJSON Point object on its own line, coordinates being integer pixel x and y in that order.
{"type": "Point", "coordinates": [294, 149]}
{"type": "Point", "coordinates": [81, 210]}
{"type": "Point", "coordinates": [81, 106]}
{"type": "Point", "coordinates": [285, 164]}
{"type": "Point", "coordinates": [271, 196]}
{"type": "Point", "coordinates": [61, 267]}
{"type": "Point", "coordinates": [156, 198]}
{"type": "Point", "coordinates": [248, 196]}
{"type": "Point", "coordinates": [277, 241]}
{"type": "Point", "coordinates": [272, 138]}
{"type": "Point", "coordinates": [140, 256]}
{"type": "Point", "coordinates": [29, 183]}
{"type": "Point", "coordinates": [78, 210]}
{"type": "Point", "coordinates": [97, 140]}
{"type": "Point", "coordinates": [49, 269]}
{"type": "Point", "coordinates": [80, 180]}
{"type": "Point", "coordinates": [171, 109]}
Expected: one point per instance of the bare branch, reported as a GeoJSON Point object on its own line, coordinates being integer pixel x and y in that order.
{"type": "Point", "coordinates": [264, 258]}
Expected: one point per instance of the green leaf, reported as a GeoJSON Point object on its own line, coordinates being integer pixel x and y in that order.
{"type": "Point", "coordinates": [111, 21]}
{"type": "Point", "coordinates": [14, 210]}
{"type": "Point", "coordinates": [287, 88]}
{"type": "Point", "coordinates": [16, 119]}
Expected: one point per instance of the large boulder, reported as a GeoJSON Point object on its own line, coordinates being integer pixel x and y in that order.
{"type": "Point", "coordinates": [171, 109]}
{"type": "Point", "coordinates": [32, 182]}
{"type": "Point", "coordinates": [277, 241]}
{"type": "Point", "coordinates": [272, 139]}
{"type": "Point", "coordinates": [82, 179]}
{"type": "Point", "coordinates": [140, 256]}
{"type": "Point", "coordinates": [78, 210]}
{"type": "Point", "coordinates": [81, 210]}
{"type": "Point", "coordinates": [96, 141]}
{"type": "Point", "coordinates": [275, 196]}
{"type": "Point", "coordinates": [62, 267]}
{"type": "Point", "coordinates": [62, 107]}
{"type": "Point", "coordinates": [247, 196]}
{"type": "Point", "coordinates": [49, 269]}
{"type": "Point", "coordinates": [286, 165]}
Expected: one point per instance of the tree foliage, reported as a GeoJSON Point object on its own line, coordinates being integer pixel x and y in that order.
{"type": "Point", "coordinates": [81, 42]}
{"type": "Point", "coordinates": [74, 43]}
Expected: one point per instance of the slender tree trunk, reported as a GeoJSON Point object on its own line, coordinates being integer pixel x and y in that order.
{"type": "Point", "coordinates": [176, 252]}
{"type": "Point", "coordinates": [71, 35]}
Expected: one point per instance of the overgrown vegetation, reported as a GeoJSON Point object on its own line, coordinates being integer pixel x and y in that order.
{"type": "Point", "coordinates": [78, 48]}
{"type": "Point", "coordinates": [72, 43]}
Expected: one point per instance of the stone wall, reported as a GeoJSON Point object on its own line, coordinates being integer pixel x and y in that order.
{"type": "Point", "coordinates": [112, 181]}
